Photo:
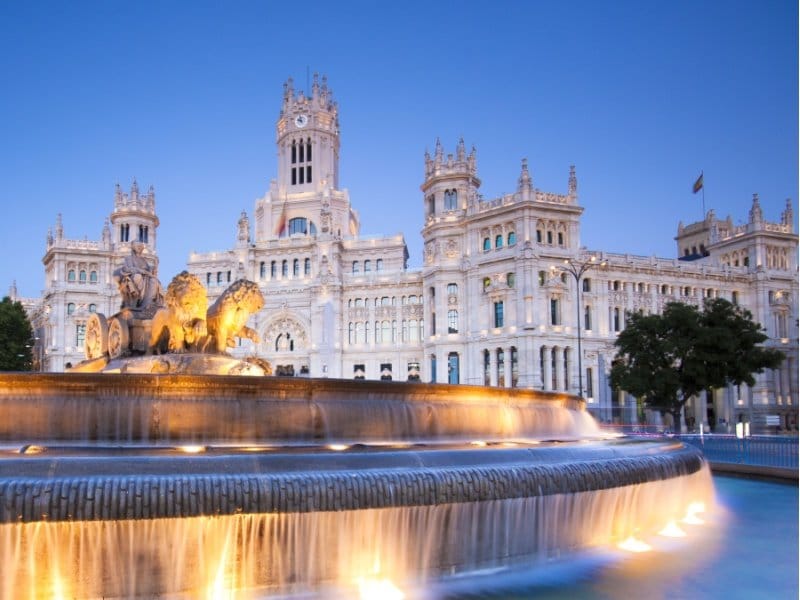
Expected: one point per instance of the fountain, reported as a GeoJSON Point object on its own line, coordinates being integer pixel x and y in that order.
{"type": "Point", "coordinates": [171, 482]}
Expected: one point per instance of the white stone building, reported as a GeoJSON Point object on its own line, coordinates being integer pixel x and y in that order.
{"type": "Point", "coordinates": [493, 303]}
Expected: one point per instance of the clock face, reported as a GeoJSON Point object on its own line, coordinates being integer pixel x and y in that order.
{"type": "Point", "coordinates": [301, 120]}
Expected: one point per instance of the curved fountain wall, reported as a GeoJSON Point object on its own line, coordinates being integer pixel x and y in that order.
{"type": "Point", "coordinates": [306, 484]}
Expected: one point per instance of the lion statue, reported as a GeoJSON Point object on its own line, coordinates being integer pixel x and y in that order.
{"type": "Point", "coordinates": [226, 318]}
{"type": "Point", "coordinates": [180, 325]}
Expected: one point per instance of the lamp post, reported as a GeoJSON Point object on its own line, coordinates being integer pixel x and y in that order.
{"type": "Point", "coordinates": [577, 267]}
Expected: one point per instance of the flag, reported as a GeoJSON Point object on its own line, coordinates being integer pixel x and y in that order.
{"type": "Point", "coordinates": [281, 228]}
{"type": "Point", "coordinates": [698, 185]}
{"type": "Point", "coordinates": [353, 222]}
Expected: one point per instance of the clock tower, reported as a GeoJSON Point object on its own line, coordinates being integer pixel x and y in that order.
{"type": "Point", "coordinates": [305, 198]}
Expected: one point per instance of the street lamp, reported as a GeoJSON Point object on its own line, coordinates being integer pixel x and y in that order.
{"type": "Point", "coordinates": [577, 267]}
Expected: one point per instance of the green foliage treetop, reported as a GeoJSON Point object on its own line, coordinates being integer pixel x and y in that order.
{"type": "Point", "coordinates": [668, 358]}
{"type": "Point", "coordinates": [16, 337]}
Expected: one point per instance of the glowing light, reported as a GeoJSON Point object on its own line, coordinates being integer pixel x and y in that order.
{"type": "Point", "coordinates": [631, 544]}
{"type": "Point", "coordinates": [337, 447]}
{"type": "Point", "coordinates": [478, 443]}
{"type": "Point", "coordinates": [32, 449]}
{"type": "Point", "coordinates": [192, 449]}
{"type": "Point", "coordinates": [692, 511]}
{"type": "Point", "coordinates": [378, 589]}
{"type": "Point", "coordinates": [672, 530]}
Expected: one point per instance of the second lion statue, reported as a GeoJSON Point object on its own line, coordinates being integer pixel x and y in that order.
{"type": "Point", "coordinates": [226, 318]}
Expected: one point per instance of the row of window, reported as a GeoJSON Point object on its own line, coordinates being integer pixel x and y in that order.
{"type": "Point", "coordinates": [500, 367]}
{"type": "Point", "coordinates": [221, 278]}
{"type": "Point", "coordinates": [385, 332]}
{"type": "Point", "coordinates": [367, 265]}
{"type": "Point", "coordinates": [71, 308]}
{"type": "Point", "coordinates": [284, 268]}
{"type": "Point", "coordinates": [81, 276]}
{"type": "Point", "coordinates": [511, 239]}
{"type": "Point", "coordinates": [548, 235]}
{"type": "Point", "coordinates": [511, 281]}
{"type": "Point", "coordinates": [125, 233]}
{"type": "Point", "coordinates": [383, 301]}
{"type": "Point", "coordinates": [360, 371]}
{"type": "Point", "coordinates": [450, 201]}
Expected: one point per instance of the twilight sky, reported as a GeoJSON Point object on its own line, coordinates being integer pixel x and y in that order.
{"type": "Point", "coordinates": [641, 96]}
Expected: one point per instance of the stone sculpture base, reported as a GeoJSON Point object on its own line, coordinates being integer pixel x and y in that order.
{"type": "Point", "coordinates": [173, 364]}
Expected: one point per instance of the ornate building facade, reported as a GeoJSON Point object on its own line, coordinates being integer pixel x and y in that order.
{"type": "Point", "coordinates": [494, 303]}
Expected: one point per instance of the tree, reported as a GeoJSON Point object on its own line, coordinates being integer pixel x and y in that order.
{"type": "Point", "coordinates": [668, 358]}
{"type": "Point", "coordinates": [16, 337]}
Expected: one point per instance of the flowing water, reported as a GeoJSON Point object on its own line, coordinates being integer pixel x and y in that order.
{"type": "Point", "coordinates": [318, 488]}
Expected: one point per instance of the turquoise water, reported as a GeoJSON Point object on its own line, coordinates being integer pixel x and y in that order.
{"type": "Point", "coordinates": [748, 549]}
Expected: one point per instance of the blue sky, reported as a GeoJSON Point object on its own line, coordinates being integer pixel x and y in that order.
{"type": "Point", "coordinates": [641, 96]}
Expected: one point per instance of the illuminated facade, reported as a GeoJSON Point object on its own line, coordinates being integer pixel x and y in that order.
{"type": "Point", "coordinates": [492, 304]}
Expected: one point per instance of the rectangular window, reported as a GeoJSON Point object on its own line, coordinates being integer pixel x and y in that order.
{"type": "Point", "coordinates": [308, 154]}
{"type": "Point", "coordinates": [308, 174]}
{"type": "Point", "coordinates": [589, 383]}
{"type": "Point", "coordinates": [80, 334]}
{"type": "Point", "coordinates": [554, 316]}
{"type": "Point", "coordinates": [498, 314]}
{"type": "Point", "coordinates": [294, 154]}
{"type": "Point", "coordinates": [302, 175]}
{"type": "Point", "coordinates": [359, 372]}
{"type": "Point", "coordinates": [294, 175]}
{"type": "Point", "coordinates": [301, 153]}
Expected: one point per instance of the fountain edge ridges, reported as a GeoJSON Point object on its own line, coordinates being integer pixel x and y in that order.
{"type": "Point", "coordinates": [171, 496]}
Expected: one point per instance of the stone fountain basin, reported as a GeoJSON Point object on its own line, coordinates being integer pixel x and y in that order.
{"type": "Point", "coordinates": [145, 482]}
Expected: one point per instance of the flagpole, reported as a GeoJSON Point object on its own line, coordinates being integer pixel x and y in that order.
{"type": "Point", "coordinates": [704, 196]}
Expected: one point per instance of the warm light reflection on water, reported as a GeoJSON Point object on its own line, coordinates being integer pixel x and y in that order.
{"type": "Point", "coordinates": [218, 557]}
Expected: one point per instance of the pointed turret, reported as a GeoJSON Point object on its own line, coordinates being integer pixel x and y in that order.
{"type": "Point", "coordinates": [525, 182]}
{"type": "Point", "coordinates": [756, 214]}
{"type": "Point", "coordinates": [787, 216]}
{"type": "Point", "coordinates": [572, 184]}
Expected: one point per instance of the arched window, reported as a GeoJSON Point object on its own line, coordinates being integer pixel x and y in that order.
{"type": "Point", "coordinates": [262, 270]}
{"type": "Point", "coordinates": [386, 332]}
{"type": "Point", "coordinates": [587, 317]}
{"type": "Point", "coordinates": [367, 266]}
{"type": "Point", "coordinates": [93, 308]}
{"type": "Point", "coordinates": [512, 238]}
{"type": "Point", "coordinates": [219, 277]}
{"type": "Point", "coordinates": [514, 366]}
{"type": "Point", "coordinates": [487, 283]}
{"type": "Point", "coordinates": [501, 367]}
{"type": "Point", "coordinates": [71, 275]}
{"type": "Point", "coordinates": [285, 268]}
{"type": "Point", "coordinates": [511, 280]}
{"type": "Point", "coordinates": [450, 200]}
{"type": "Point", "coordinates": [296, 267]}
{"type": "Point", "coordinates": [70, 308]}
{"type": "Point", "coordinates": [307, 267]}
{"type": "Point", "coordinates": [298, 225]}
{"type": "Point", "coordinates": [273, 269]}
{"type": "Point", "coordinates": [350, 332]}
{"type": "Point", "coordinates": [550, 237]}
{"type": "Point", "coordinates": [208, 279]}
{"type": "Point", "coordinates": [498, 241]}
{"type": "Point", "coordinates": [487, 244]}
{"type": "Point", "coordinates": [82, 276]}
{"type": "Point", "coordinates": [356, 266]}
{"type": "Point", "coordinates": [587, 285]}
{"type": "Point", "coordinates": [452, 289]}
{"type": "Point", "coordinates": [379, 264]}
{"type": "Point", "coordinates": [539, 236]}
{"type": "Point", "coordinates": [93, 277]}
{"type": "Point", "coordinates": [452, 321]}
{"type": "Point", "coordinates": [560, 239]}
{"type": "Point", "coordinates": [617, 323]}
{"type": "Point", "coordinates": [487, 368]}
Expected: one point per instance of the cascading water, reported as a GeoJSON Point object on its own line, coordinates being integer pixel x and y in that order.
{"type": "Point", "coordinates": [308, 486]}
